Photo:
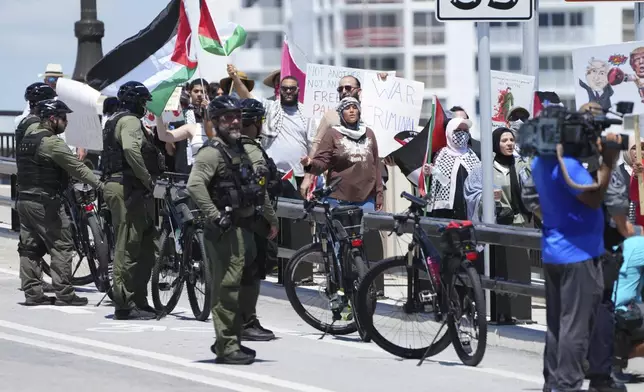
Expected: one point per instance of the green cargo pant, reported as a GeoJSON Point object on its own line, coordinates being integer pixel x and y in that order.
{"type": "Point", "coordinates": [135, 248]}
{"type": "Point", "coordinates": [255, 272]}
{"type": "Point", "coordinates": [227, 253]}
{"type": "Point", "coordinates": [45, 228]}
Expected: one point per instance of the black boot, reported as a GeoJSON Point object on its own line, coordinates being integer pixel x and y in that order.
{"type": "Point", "coordinates": [254, 332]}
{"type": "Point", "coordinates": [40, 301]}
{"type": "Point", "coordinates": [73, 301]}
{"type": "Point", "coordinates": [605, 384]}
{"type": "Point", "coordinates": [235, 358]}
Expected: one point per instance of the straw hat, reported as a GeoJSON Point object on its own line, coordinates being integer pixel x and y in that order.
{"type": "Point", "coordinates": [270, 79]}
{"type": "Point", "coordinates": [53, 70]}
{"type": "Point", "coordinates": [225, 83]}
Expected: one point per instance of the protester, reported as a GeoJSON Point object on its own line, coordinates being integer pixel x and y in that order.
{"type": "Point", "coordinates": [349, 151]}
{"type": "Point", "coordinates": [214, 90]}
{"type": "Point", "coordinates": [273, 81]}
{"type": "Point", "coordinates": [451, 167]}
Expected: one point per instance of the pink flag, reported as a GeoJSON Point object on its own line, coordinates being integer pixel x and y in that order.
{"type": "Point", "coordinates": [289, 68]}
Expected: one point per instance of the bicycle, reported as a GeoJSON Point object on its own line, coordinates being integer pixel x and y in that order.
{"type": "Point", "coordinates": [444, 284]}
{"type": "Point", "coordinates": [78, 202]}
{"type": "Point", "coordinates": [181, 234]}
{"type": "Point", "coordinates": [339, 242]}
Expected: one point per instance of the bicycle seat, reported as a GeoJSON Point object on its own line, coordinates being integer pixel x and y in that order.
{"type": "Point", "coordinates": [414, 200]}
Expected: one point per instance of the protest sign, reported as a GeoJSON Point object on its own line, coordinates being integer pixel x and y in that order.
{"type": "Point", "coordinates": [83, 127]}
{"type": "Point", "coordinates": [510, 90]}
{"type": "Point", "coordinates": [321, 92]}
{"type": "Point", "coordinates": [390, 107]}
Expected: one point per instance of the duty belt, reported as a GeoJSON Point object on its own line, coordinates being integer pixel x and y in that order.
{"type": "Point", "coordinates": [39, 197]}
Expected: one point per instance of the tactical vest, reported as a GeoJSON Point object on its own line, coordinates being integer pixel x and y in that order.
{"type": "Point", "coordinates": [274, 181]}
{"type": "Point", "coordinates": [239, 186]}
{"type": "Point", "coordinates": [25, 123]}
{"type": "Point", "coordinates": [113, 159]}
{"type": "Point", "coordinates": [35, 172]}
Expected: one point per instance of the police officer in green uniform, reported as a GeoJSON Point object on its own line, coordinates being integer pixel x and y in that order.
{"type": "Point", "coordinates": [44, 164]}
{"type": "Point", "coordinates": [130, 163]}
{"type": "Point", "coordinates": [230, 191]}
{"type": "Point", "coordinates": [252, 117]}
{"type": "Point", "coordinates": [34, 93]}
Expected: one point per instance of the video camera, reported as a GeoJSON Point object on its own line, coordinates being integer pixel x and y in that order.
{"type": "Point", "coordinates": [576, 132]}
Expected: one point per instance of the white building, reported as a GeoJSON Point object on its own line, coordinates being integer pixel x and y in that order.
{"type": "Point", "coordinates": [404, 35]}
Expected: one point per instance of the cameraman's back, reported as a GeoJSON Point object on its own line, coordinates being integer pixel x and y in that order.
{"type": "Point", "coordinates": [572, 231]}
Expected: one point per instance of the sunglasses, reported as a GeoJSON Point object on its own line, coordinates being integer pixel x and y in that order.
{"type": "Point", "coordinates": [230, 117]}
{"type": "Point", "coordinates": [346, 88]}
{"type": "Point", "coordinates": [51, 79]}
{"type": "Point", "coordinates": [288, 88]}
{"type": "Point", "coordinates": [519, 116]}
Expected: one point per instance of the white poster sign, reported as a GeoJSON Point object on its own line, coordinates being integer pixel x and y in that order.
{"type": "Point", "coordinates": [510, 90]}
{"type": "Point", "coordinates": [84, 127]}
{"type": "Point", "coordinates": [390, 107]}
{"type": "Point", "coordinates": [609, 74]}
{"type": "Point", "coordinates": [321, 93]}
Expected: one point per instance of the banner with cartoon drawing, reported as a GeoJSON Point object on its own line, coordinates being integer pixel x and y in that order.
{"type": "Point", "coordinates": [609, 74]}
{"type": "Point", "coordinates": [510, 90]}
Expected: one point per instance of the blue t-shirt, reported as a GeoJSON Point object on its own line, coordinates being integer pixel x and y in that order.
{"type": "Point", "coordinates": [629, 284]}
{"type": "Point", "coordinates": [572, 231]}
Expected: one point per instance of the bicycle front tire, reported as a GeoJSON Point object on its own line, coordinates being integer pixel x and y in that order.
{"type": "Point", "coordinates": [166, 248]}
{"type": "Point", "coordinates": [194, 238]}
{"type": "Point", "coordinates": [291, 292]}
{"type": "Point", "coordinates": [365, 315]}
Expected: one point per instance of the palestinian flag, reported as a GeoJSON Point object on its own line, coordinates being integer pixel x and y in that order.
{"type": "Point", "coordinates": [418, 148]}
{"type": "Point", "coordinates": [220, 41]}
{"type": "Point", "coordinates": [290, 178]}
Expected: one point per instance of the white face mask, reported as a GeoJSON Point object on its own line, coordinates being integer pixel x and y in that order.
{"type": "Point", "coordinates": [516, 125]}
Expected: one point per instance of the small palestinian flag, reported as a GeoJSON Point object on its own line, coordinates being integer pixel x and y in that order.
{"type": "Point", "coordinates": [290, 178]}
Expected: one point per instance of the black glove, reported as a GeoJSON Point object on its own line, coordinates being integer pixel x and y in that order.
{"type": "Point", "coordinates": [223, 222]}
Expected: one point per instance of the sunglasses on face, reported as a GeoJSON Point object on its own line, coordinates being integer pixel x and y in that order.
{"type": "Point", "coordinates": [516, 117]}
{"type": "Point", "coordinates": [288, 89]}
{"type": "Point", "coordinates": [51, 79]}
{"type": "Point", "coordinates": [230, 117]}
{"type": "Point", "coordinates": [346, 88]}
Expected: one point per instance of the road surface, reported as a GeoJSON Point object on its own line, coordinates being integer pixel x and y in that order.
{"type": "Point", "coordinates": [62, 349]}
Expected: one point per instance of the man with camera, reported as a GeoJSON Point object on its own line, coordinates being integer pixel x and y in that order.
{"type": "Point", "coordinates": [573, 225]}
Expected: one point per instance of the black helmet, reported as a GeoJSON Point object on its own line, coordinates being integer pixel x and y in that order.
{"type": "Point", "coordinates": [110, 105]}
{"type": "Point", "coordinates": [223, 104]}
{"type": "Point", "coordinates": [39, 91]}
{"type": "Point", "coordinates": [252, 109]}
{"type": "Point", "coordinates": [134, 92]}
{"type": "Point", "coordinates": [52, 107]}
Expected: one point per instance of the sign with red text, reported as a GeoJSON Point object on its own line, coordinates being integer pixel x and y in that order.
{"type": "Point", "coordinates": [321, 93]}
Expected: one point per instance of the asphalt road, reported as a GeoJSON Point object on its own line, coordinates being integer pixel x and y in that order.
{"type": "Point", "coordinates": [62, 349]}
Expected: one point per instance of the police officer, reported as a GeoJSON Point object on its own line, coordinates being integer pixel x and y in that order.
{"type": "Point", "coordinates": [130, 162]}
{"type": "Point", "coordinates": [252, 116]}
{"type": "Point", "coordinates": [44, 165]}
{"type": "Point", "coordinates": [229, 189]}
{"type": "Point", "coordinates": [34, 93]}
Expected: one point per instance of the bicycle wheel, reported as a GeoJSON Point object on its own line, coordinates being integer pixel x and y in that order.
{"type": "Point", "coordinates": [199, 282]}
{"type": "Point", "coordinates": [108, 229]}
{"type": "Point", "coordinates": [471, 313]}
{"type": "Point", "coordinates": [167, 264]}
{"type": "Point", "coordinates": [101, 252]}
{"type": "Point", "coordinates": [360, 269]}
{"type": "Point", "coordinates": [80, 277]}
{"type": "Point", "coordinates": [412, 309]}
{"type": "Point", "coordinates": [296, 282]}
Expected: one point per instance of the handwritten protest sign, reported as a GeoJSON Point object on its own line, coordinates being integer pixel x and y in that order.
{"type": "Point", "coordinates": [321, 92]}
{"type": "Point", "coordinates": [510, 90]}
{"type": "Point", "coordinates": [390, 107]}
{"type": "Point", "coordinates": [83, 127]}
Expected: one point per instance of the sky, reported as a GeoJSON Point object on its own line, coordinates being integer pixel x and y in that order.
{"type": "Point", "coordinates": [34, 33]}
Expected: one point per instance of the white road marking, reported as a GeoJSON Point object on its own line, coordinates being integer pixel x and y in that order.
{"type": "Point", "coordinates": [114, 327]}
{"type": "Point", "coordinates": [63, 309]}
{"type": "Point", "coordinates": [164, 358]}
{"type": "Point", "coordinates": [9, 272]}
{"type": "Point", "coordinates": [133, 364]}
{"type": "Point", "coordinates": [374, 348]}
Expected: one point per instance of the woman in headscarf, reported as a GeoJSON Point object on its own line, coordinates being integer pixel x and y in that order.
{"type": "Point", "coordinates": [350, 151]}
{"type": "Point", "coordinates": [451, 167]}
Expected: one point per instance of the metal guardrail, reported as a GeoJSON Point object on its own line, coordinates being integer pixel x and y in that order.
{"type": "Point", "coordinates": [486, 233]}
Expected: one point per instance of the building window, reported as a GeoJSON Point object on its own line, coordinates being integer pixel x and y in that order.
{"type": "Point", "coordinates": [561, 19]}
{"type": "Point", "coordinates": [558, 19]}
{"type": "Point", "coordinates": [427, 30]}
{"type": "Point", "coordinates": [430, 70]}
{"type": "Point", "coordinates": [514, 63]}
{"type": "Point", "coordinates": [628, 25]}
{"type": "Point", "coordinates": [568, 102]}
{"type": "Point", "coordinates": [352, 21]}
{"type": "Point", "coordinates": [576, 18]}
{"type": "Point", "coordinates": [555, 63]}
{"type": "Point", "coordinates": [252, 40]}
{"type": "Point", "coordinates": [352, 62]}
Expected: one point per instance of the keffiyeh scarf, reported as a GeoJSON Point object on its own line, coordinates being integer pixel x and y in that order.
{"type": "Point", "coordinates": [275, 119]}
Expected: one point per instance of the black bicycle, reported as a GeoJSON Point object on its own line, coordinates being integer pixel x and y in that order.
{"type": "Point", "coordinates": [339, 256]}
{"type": "Point", "coordinates": [440, 288]}
{"type": "Point", "coordinates": [182, 253]}
{"type": "Point", "coordinates": [90, 243]}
